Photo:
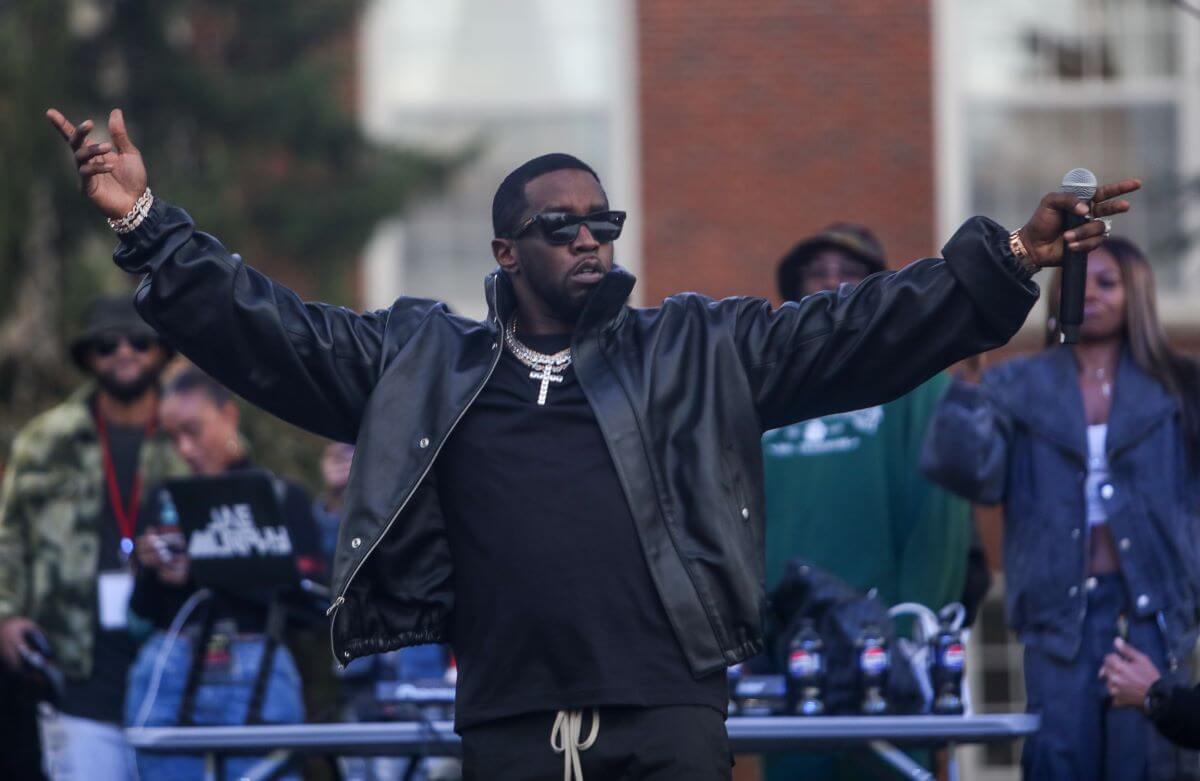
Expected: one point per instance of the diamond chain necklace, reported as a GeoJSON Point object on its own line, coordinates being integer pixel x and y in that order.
{"type": "Point", "coordinates": [546, 368]}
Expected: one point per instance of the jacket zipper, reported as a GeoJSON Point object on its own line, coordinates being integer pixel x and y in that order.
{"type": "Point", "coordinates": [337, 603]}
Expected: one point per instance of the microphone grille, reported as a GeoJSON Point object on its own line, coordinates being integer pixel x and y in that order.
{"type": "Point", "coordinates": [1080, 182]}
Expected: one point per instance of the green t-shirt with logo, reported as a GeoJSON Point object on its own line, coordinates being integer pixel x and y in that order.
{"type": "Point", "coordinates": [845, 492]}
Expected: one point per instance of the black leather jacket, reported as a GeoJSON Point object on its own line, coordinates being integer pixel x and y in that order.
{"type": "Point", "coordinates": [682, 393]}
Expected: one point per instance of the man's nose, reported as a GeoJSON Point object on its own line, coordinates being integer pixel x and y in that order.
{"type": "Point", "coordinates": [585, 240]}
{"type": "Point", "coordinates": [124, 348]}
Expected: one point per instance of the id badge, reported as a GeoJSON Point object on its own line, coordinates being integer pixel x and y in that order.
{"type": "Point", "coordinates": [115, 588]}
{"type": "Point", "coordinates": [218, 656]}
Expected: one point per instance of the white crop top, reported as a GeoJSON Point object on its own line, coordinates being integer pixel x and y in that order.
{"type": "Point", "coordinates": [1097, 475]}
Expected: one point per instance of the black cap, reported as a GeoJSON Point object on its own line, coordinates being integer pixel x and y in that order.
{"type": "Point", "coordinates": [114, 314]}
{"type": "Point", "coordinates": [851, 238]}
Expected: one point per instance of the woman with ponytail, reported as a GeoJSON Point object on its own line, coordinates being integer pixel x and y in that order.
{"type": "Point", "coordinates": [1094, 450]}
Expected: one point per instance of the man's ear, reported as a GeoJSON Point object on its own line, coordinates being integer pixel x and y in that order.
{"type": "Point", "coordinates": [505, 253]}
{"type": "Point", "coordinates": [230, 412]}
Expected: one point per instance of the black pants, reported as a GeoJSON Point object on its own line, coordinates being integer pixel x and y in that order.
{"type": "Point", "coordinates": [677, 743]}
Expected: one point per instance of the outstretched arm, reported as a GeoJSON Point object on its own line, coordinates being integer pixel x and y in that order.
{"type": "Point", "coordinates": [855, 347]}
{"type": "Point", "coordinates": [313, 365]}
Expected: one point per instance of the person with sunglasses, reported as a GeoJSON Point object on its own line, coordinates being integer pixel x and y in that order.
{"type": "Point", "coordinates": [68, 511]}
{"type": "Point", "coordinates": [570, 490]}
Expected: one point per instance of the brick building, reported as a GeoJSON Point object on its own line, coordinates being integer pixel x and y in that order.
{"type": "Point", "coordinates": [762, 122]}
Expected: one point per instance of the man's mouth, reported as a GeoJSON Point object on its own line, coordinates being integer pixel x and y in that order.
{"type": "Point", "coordinates": [588, 272]}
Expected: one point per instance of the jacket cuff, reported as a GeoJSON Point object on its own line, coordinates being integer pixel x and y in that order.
{"type": "Point", "coordinates": [976, 257]}
{"type": "Point", "coordinates": [133, 252]}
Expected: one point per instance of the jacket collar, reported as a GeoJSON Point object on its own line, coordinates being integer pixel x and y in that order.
{"type": "Point", "coordinates": [1140, 402]}
{"type": "Point", "coordinates": [605, 308]}
{"type": "Point", "coordinates": [1053, 404]}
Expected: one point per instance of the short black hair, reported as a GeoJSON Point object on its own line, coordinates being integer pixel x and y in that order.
{"type": "Point", "coordinates": [509, 203]}
{"type": "Point", "coordinates": [192, 379]}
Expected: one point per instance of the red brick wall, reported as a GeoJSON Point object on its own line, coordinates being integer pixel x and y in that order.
{"type": "Point", "coordinates": [765, 120]}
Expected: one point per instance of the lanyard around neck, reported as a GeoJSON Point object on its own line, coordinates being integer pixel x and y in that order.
{"type": "Point", "coordinates": [126, 513]}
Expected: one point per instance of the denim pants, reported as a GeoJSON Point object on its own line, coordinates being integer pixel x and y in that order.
{"type": "Point", "coordinates": [76, 749]}
{"type": "Point", "coordinates": [1083, 738]}
{"type": "Point", "coordinates": [222, 698]}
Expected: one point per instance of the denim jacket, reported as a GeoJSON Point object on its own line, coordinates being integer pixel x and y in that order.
{"type": "Point", "coordinates": [1020, 438]}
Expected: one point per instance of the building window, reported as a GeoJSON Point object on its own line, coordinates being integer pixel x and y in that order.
{"type": "Point", "coordinates": [1028, 90]}
{"type": "Point", "coordinates": [503, 82]}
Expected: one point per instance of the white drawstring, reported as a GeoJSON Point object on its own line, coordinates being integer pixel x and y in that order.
{"type": "Point", "coordinates": [564, 739]}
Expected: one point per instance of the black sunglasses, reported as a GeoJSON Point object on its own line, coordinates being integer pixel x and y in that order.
{"type": "Point", "coordinates": [107, 344]}
{"type": "Point", "coordinates": [563, 228]}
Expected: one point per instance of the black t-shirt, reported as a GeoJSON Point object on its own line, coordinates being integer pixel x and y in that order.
{"type": "Point", "coordinates": [102, 696]}
{"type": "Point", "coordinates": [554, 603]}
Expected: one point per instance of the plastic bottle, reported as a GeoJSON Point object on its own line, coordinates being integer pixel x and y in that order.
{"type": "Point", "coordinates": [874, 663]}
{"type": "Point", "coordinates": [948, 660]}
{"type": "Point", "coordinates": [806, 671]}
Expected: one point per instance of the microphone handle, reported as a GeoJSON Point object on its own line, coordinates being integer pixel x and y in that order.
{"type": "Point", "coordinates": [1074, 284]}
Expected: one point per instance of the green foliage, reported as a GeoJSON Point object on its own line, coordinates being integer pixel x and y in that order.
{"type": "Point", "coordinates": [244, 113]}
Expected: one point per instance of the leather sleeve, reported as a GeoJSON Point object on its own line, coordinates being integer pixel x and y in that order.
{"type": "Point", "coordinates": [870, 343]}
{"type": "Point", "coordinates": [1179, 717]}
{"type": "Point", "coordinates": [313, 365]}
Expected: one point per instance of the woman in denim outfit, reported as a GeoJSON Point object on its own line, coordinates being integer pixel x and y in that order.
{"type": "Point", "coordinates": [1093, 450]}
{"type": "Point", "coordinates": [202, 420]}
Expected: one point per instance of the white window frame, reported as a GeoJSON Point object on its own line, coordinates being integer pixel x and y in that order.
{"type": "Point", "coordinates": [953, 174]}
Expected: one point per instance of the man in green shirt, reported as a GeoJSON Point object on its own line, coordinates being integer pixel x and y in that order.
{"type": "Point", "coordinates": [844, 491]}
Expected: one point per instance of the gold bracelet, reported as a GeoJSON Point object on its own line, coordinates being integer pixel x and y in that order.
{"type": "Point", "coordinates": [1024, 259]}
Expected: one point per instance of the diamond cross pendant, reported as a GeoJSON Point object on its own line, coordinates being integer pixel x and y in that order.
{"type": "Point", "coordinates": [544, 374]}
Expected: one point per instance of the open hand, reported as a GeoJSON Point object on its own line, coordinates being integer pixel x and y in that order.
{"type": "Point", "coordinates": [111, 173]}
{"type": "Point", "coordinates": [1044, 235]}
{"type": "Point", "coordinates": [1129, 674]}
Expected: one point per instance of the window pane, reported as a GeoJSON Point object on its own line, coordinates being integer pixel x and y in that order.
{"type": "Point", "coordinates": [1019, 42]}
{"type": "Point", "coordinates": [1017, 154]}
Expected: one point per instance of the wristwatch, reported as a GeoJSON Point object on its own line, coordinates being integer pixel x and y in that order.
{"type": "Point", "coordinates": [1156, 700]}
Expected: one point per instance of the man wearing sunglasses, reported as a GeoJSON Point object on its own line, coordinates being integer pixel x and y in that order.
{"type": "Point", "coordinates": [68, 510]}
{"type": "Point", "coordinates": [569, 491]}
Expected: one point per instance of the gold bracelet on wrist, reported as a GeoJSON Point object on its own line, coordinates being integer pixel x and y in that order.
{"type": "Point", "coordinates": [135, 216]}
{"type": "Point", "coordinates": [1024, 259]}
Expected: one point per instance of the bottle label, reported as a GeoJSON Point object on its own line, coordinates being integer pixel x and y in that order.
{"type": "Point", "coordinates": [873, 660]}
{"type": "Point", "coordinates": [803, 664]}
{"type": "Point", "coordinates": [953, 656]}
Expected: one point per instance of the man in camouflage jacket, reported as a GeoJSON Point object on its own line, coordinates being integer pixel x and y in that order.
{"type": "Point", "coordinates": [70, 491]}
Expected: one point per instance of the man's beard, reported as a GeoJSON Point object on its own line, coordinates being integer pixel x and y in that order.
{"type": "Point", "coordinates": [562, 305]}
{"type": "Point", "coordinates": [131, 390]}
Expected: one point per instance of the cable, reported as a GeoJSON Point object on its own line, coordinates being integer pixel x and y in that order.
{"type": "Point", "coordinates": [160, 661]}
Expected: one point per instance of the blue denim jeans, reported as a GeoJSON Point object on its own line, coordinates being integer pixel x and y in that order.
{"type": "Point", "coordinates": [1082, 738]}
{"type": "Point", "coordinates": [222, 698]}
{"type": "Point", "coordinates": [76, 749]}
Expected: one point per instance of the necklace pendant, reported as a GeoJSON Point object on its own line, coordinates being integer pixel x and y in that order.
{"type": "Point", "coordinates": [546, 376]}
{"type": "Point", "coordinates": [126, 549]}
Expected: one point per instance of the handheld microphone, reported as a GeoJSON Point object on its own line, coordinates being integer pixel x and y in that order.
{"type": "Point", "coordinates": [1081, 183]}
